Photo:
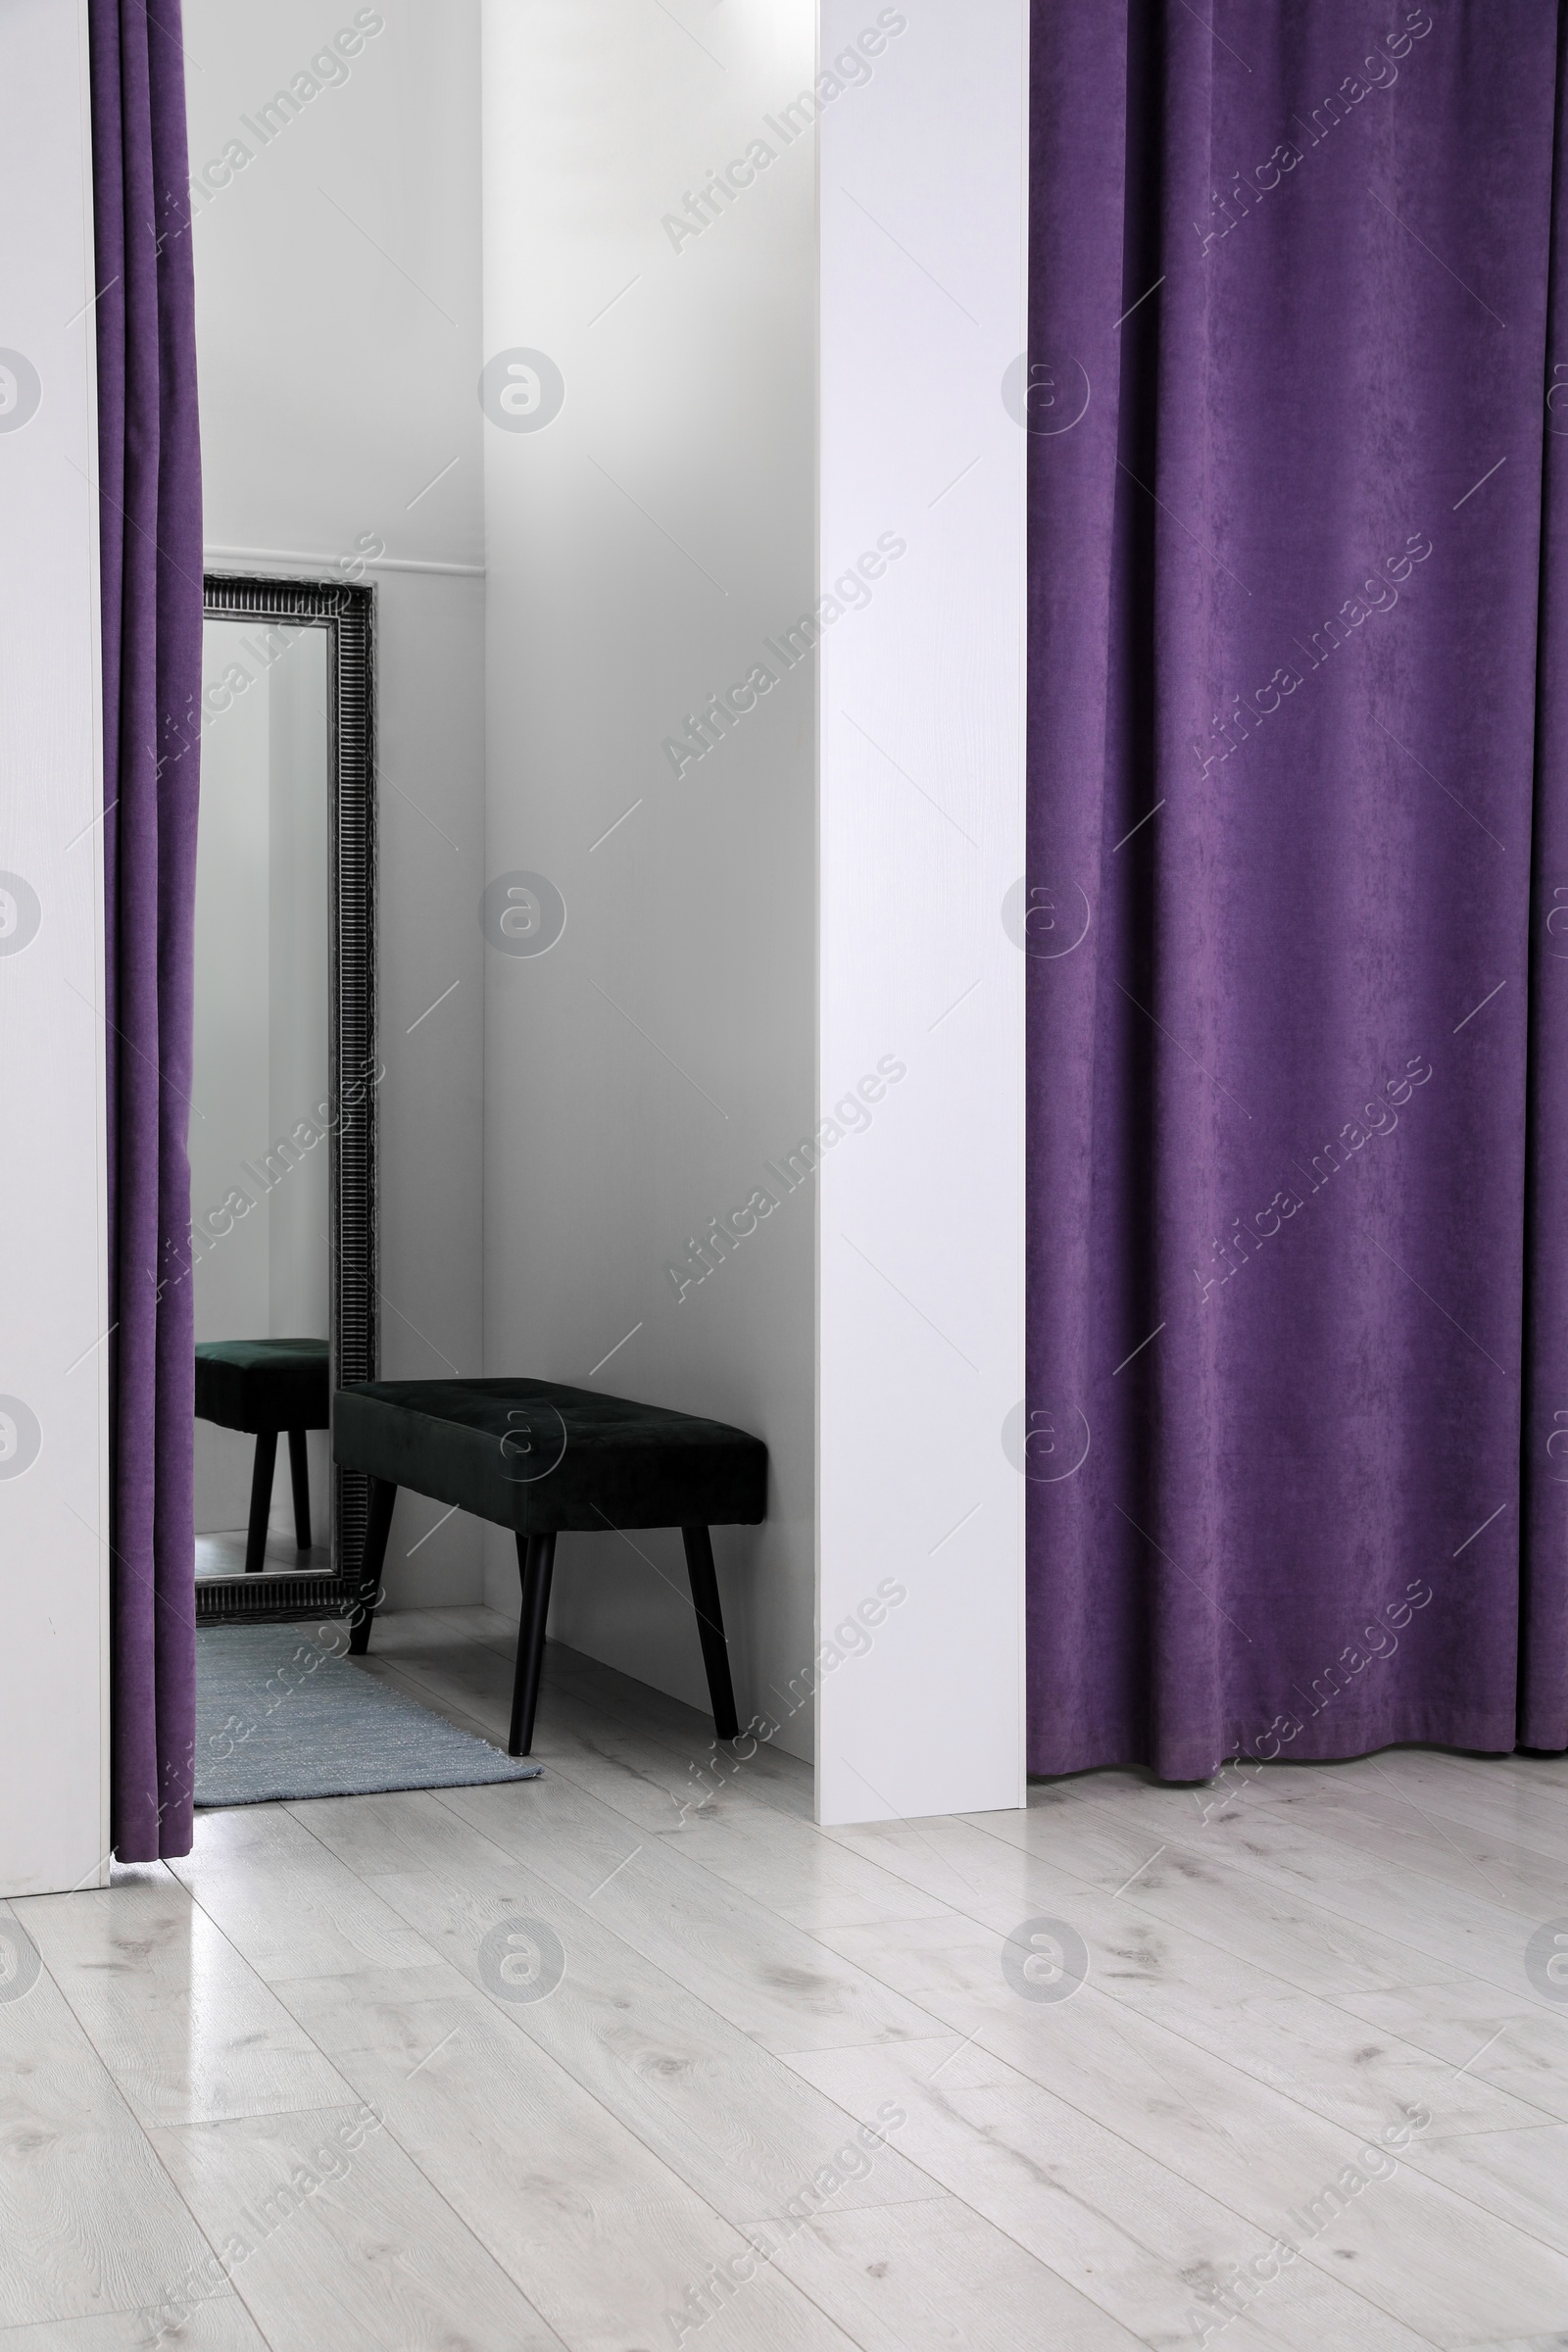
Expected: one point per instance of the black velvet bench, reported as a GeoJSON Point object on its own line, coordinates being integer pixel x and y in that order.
{"type": "Point", "coordinates": [263, 1386]}
{"type": "Point", "coordinates": [539, 1458]}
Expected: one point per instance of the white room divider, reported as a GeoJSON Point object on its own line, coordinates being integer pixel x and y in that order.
{"type": "Point", "coordinates": [923, 190]}
{"type": "Point", "coordinates": [53, 1706]}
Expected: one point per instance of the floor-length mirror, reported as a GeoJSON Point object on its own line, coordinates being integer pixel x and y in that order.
{"type": "Point", "coordinates": [281, 1115]}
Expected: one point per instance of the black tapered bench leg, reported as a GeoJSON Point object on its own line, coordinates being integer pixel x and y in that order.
{"type": "Point", "coordinates": [260, 1500]}
{"type": "Point", "coordinates": [711, 1627]}
{"type": "Point", "coordinates": [300, 1471]}
{"type": "Point", "coordinates": [536, 1563]}
{"type": "Point", "coordinates": [383, 1495]}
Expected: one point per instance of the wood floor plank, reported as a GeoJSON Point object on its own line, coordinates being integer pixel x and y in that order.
{"type": "Point", "coordinates": [1209, 1888]}
{"type": "Point", "coordinates": [1481, 1793]}
{"type": "Point", "coordinates": [684, 1762]}
{"type": "Point", "coordinates": [1423, 1996]}
{"type": "Point", "coordinates": [1557, 2342]}
{"type": "Point", "coordinates": [1535, 1778]}
{"type": "Point", "coordinates": [89, 2221]}
{"type": "Point", "coordinates": [221, 2324]}
{"type": "Point", "coordinates": [751, 1966]}
{"type": "Point", "coordinates": [184, 2026]}
{"type": "Point", "coordinates": [1382, 1817]}
{"type": "Point", "coordinates": [1475, 1933]}
{"type": "Point", "coordinates": [478, 1624]}
{"type": "Point", "coordinates": [774, 1775]}
{"type": "Point", "coordinates": [1425, 1928]}
{"type": "Point", "coordinates": [1513, 2042]}
{"type": "Point", "coordinates": [937, 2278]}
{"type": "Point", "coordinates": [1144, 2245]}
{"type": "Point", "coordinates": [471, 1685]}
{"type": "Point", "coordinates": [279, 1897]}
{"type": "Point", "coordinates": [792, 1868]}
{"type": "Point", "coordinates": [604, 2238]}
{"type": "Point", "coordinates": [340, 2245]}
{"type": "Point", "coordinates": [1277, 1967]}
{"type": "Point", "coordinates": [1260, 2149]}
{"type": "Point", "coordinates": [1520, 2175]}
{"type": "Point", "coordinates": [1297, 2043]}
{"type": "Point", "coordinates": [730, 2120]}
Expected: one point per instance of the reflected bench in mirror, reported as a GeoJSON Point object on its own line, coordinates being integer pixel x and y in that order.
{"type": "Point", "coordinates": [266, 1386]}
{"type": "Point", "coordinates": [539, 1458]}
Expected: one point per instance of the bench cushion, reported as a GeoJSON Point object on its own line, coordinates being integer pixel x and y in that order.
{"type": "Point", "coordinates": [534, 1456]}
{"type": "Point", "coordinates": [262, 1384]}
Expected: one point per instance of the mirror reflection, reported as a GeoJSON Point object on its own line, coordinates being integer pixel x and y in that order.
{"type": "Point", "coordinates": [259, 1144]}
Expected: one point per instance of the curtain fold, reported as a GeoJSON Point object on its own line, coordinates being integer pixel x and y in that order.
{"type": "Point", "coordinates": [151, 585]}
{"type": "Point", "coordinates": [1543, 1617]}
{"type": "Point", "coordinates": [1298, 933]}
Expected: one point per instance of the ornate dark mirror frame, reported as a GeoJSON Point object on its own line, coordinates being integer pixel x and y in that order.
{"type": "Point", "coordinates": [347, 613]}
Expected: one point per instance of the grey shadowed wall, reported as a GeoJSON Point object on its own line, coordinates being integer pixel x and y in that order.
{"type": "Point", "coordinates": [646, 538]}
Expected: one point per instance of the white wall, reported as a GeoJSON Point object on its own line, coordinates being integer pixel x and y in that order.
{"type": "Point", "coordinates": [53, 1279]}
{"type": "Point", "coordinates": [924, 180]}
{"type": "Point", "coordinates": [643, 543]}
{"type": "Point", "coordinates": [337, 279]}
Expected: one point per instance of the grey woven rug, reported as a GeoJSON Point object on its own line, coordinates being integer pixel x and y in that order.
{"type": "Point", "coordinates": [281, 1715]}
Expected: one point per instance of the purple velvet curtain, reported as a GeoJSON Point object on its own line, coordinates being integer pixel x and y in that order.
{"type": "Point", "coordinates": [151, 561]}
{"type": "Point", "coordinates": [1299, 882]}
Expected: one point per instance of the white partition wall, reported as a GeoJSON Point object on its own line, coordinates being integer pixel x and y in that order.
{"type": "Point", "coordinates": [54, 1707]}
{"type": "Point", "coordinates": [923, 215]}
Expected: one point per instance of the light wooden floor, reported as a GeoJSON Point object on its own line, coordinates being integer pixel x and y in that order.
{"type": "Point", "coordinates": [267, 2096]}
{"type": "Point", "coordinates": [224, 1556]}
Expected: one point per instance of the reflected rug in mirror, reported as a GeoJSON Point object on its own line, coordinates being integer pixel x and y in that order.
{"type": "Point", "coordinates": [283, 1712]}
